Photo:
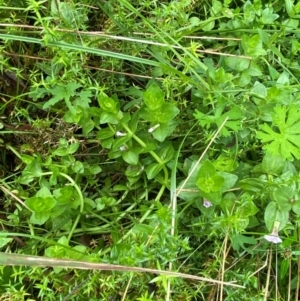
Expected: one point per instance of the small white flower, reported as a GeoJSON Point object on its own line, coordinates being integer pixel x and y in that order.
{"type": "Point", "coordinates": [154, 128]}
{"type": "Point", "coordinates": [120, 134]}
{"type": "Point", "coordinates": [207, 203]}
{"type": "Point", "coordinates": [274, 237]}
{"type": "Point", "coordinates": [123, 148]}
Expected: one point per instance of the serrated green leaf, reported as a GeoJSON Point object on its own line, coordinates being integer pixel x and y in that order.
{"type": "Point", "coordinates": [286, 140]}
{"type": "Point", "coordinates": [238, 240]}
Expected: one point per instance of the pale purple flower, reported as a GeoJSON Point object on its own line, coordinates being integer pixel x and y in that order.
{"type": "Point", "coordinates": [207, 203]}
{"type": "Point", "coordinates": [274, 237]}
{"type": "Point", "coordinates": [153, 128]}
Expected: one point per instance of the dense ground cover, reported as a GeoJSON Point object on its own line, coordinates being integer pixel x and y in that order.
{"type": "Point", "coordinates": [154, 134]}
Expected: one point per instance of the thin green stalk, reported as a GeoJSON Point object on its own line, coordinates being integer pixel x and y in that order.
{"type": "Point", "coordinates": [80, 197]}
{"type": "Point", "coordinates": [152, 153]}
{"type": "Point", "coordinates": [67, 46]}
{"type": "Point", "coordinates": [147, 213]}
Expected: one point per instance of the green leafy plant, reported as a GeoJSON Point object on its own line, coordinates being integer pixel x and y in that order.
{"type": "Point", "coordinates": [284, 141]}
{"type": "Point", "coordinates": [151, 135]}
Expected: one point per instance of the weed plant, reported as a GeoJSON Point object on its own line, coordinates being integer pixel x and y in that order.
{"type": "Point", "coordinates": [154, 134]}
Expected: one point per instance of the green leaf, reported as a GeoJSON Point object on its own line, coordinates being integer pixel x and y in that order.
{"type": "Point", "coordinates": [166, 153]}
{"type": "Point", "coordinates": [272, 214]}
{"type": "Point", "coordinates": [283, 196]}
{"type": "Point", "coordinates": [39, 218]}
{"type": "Point", "coordinates": [87, 127]}
{"type": "Point", "coordinates": [107, 117]}
{"type": "Point", "coordinates": [164, 114]}
{"type": "Point", "coordinates": [273, 164]}
{"type": "Point", "coordinates": [208, 25]}
{"type": "Point", "coordinates": [130, 157]}
{"type": "Point", "coordinates": [228, 202]}
{"type": "Point", "coordinates": [164, 130]}
{"type": "Point", "coordinates": [148, 115]}
{"type": "Point", "coordinates": [133, 123]}
{"type": "Point", "coordinates": [167, 112]}
{"type": "Point", "coordinates": [154, 97]}
{"type": "Point", "coordinates": [229, 180]}
{"type": "Point", "coordinates": [78, 167]}
{"type": "Point", "coordinates": [259, 90]}
{"type": "Point", "coordinates": [247, 207]}
{"type": "Point", "coordinates": [206, 170]}
{"type": "Point", "coordinates": [40, 204]}
{"type": "Point", "coordinates": [34, 168]}
{"type": "Point", "coordinates": [108, 201]}
{"type": "Point", "coordinates": [99, 204]}
{"type": "Point", "coordinates": [105, 133]}
{"type": "Point", "coordinates": [239, 240]}
{"type": "Point", "coordinates": [296, 206]}
{"type": "Point", "coordinates": [267, 16]}
{"type": "Point", "coordinates": [4, 241]}
{"type": "Point", "coordinates": [283, 138]}
{"type": "Point", "coordinates": [289, 6]}
{"type": "Point", "coordinates": [284, 267]}
{"type": "Point", "coordinates": [44, 192]}
{"type": "Point", "coordinates": [61, 151]}
{"type": "Point", "coordinates": [64, 195]}
{"type": "Point", "coordinates": [210, 184]}
{"type": "Point", "coordinates": [253, 45]}
{"type": "Point", "coordinates": [249, 12]}
{"type": "Point", "coordinates": [152, 170]}
{"type": "Point", "coordinates": [72, 148]}
{"type": "Point", "coordinates": [233, 123]}
{"type": "Point", "coordinates": [225, 163]}
{"type": "Point", "coordinates": [63, 93]}
{"type": "Point", "coordinates": [214, 196]}
{"type": "Point", "coordinates": [253, 185]}
{"type": "Point", "coordinates": [236, 63]}
{"type": "Point", "coordinates": [107, 104]}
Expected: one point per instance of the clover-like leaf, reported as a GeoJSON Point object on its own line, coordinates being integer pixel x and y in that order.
{"type": "Point", "coordinates": [283, 137]}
